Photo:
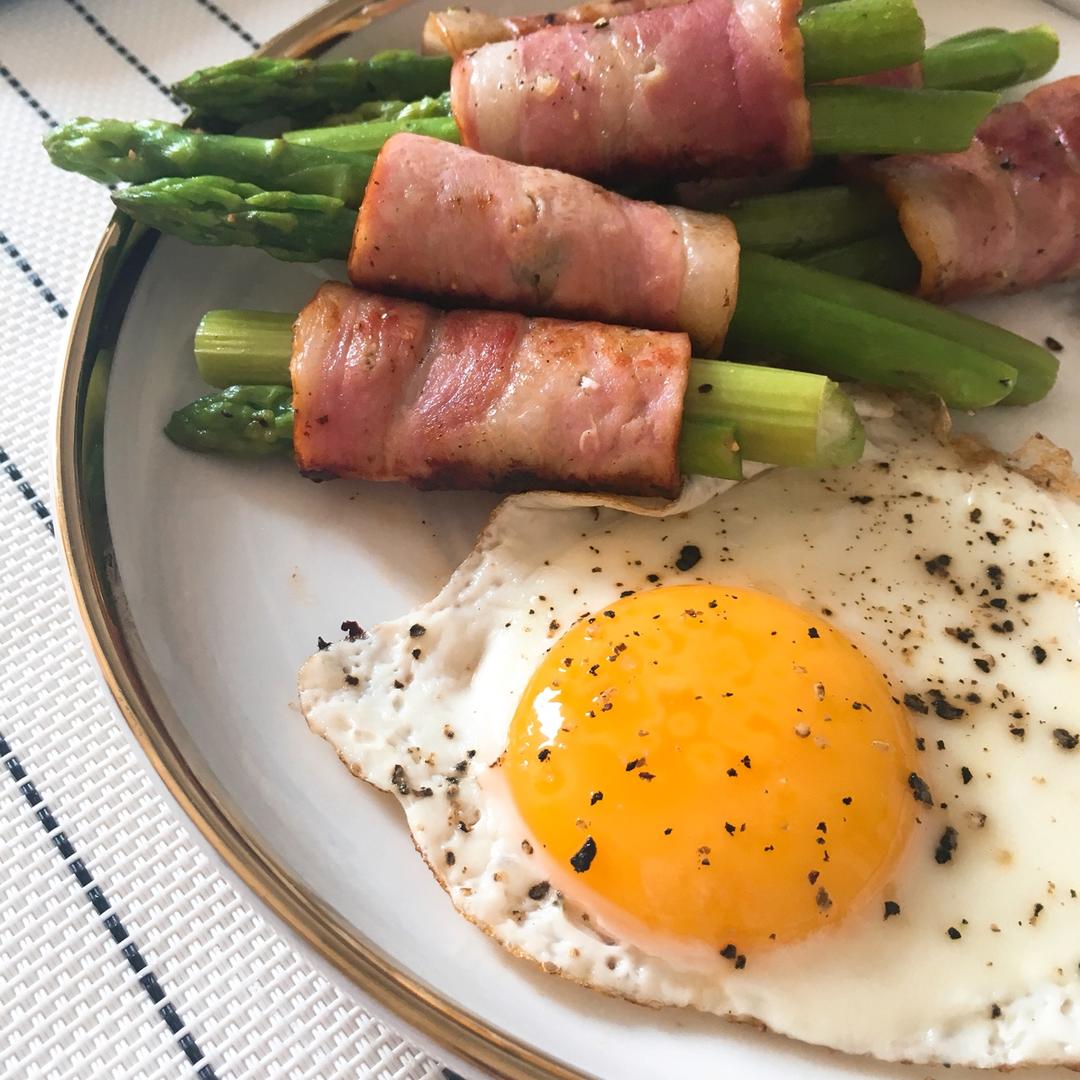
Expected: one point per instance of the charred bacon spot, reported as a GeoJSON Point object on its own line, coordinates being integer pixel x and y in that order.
{"type": "Point", "coordinates": [584, 857]}
{"type": "Point", "coordinates": [353, 629]}
{"type": "Point", "coordinates": [946, 846]}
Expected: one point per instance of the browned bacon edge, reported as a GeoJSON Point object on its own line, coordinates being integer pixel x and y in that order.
{"type": "Point", "coordinates": [388, 389]}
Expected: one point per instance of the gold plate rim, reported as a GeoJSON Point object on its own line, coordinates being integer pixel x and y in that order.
{"type": "Point", "coordinates": [85, 539]}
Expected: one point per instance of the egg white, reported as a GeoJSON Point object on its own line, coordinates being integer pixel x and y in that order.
{"type": "Point", "coordinates": [421, 707]}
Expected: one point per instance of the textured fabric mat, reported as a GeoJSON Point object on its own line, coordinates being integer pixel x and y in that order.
{"type": "Point", "coordinates": [123, 951]}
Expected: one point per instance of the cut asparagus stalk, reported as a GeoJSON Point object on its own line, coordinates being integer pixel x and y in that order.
{"type": "Point", "coordinates": [422, 108]}
{"type": "Point", "coordinates": [853, 37]}
{"type": "Point", "coordinates": [370, 136]}
{"type": "Point", "coordinates": [794, 222]}
{"type": "Point", "coordinates": [877, 120]}
{"type": "Point", "coordinates": [991, 59]}
{"type": "Point", "coordinates": [885, 259]}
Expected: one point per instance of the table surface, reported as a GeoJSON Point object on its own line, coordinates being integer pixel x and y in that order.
{"type": "Point", "coordinates": [126, 950]}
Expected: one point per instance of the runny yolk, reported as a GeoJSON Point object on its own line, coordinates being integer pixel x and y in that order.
{"type": "Point", "coordinates": [716, 766]}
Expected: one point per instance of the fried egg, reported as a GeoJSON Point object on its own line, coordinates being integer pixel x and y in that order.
{"type": "Point", "coordinates": [803, 750]}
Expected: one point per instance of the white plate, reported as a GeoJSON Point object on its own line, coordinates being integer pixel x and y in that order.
{"type": "Point", "coordinates": [231, 571]}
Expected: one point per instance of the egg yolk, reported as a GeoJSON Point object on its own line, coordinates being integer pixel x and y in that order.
{"type": "Point", "coordinates": [716, 765]}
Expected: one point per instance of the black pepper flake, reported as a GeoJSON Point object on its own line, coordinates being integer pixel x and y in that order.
{"type": "Point", "coordinates": [416, 630]}
{"type": "Point", "coordinates": [1005, 627]}
{"type": "Point", "coordinates": [652, 577]}
{"type": "Point", "coordinates": [1053, 344]}
{"type": "Point", "coordinates": [729, 952]}
{"type": "Point", "coordinates": [975, 515]}
{"type": "Point", "coordinates": [846, 800]}
{"type": "Point", "coordinates": [729, 828]}
{"type": "Point", "coordinates": [732, 772]}
{"type": "Point", "coordinates": [813, 876]}
{"type": "Point", "coordinates": [397, 778]}
{"type": "Point", "coordinates": [947, 711]}
{"type": "Point", "coordinates": [995, 1012]}
{"type": "Point", "coordinates": [962, 634]}
{"type": "Point", "coordinates": [915, 704]}
{"type": "Point", "coordinates": [965, 774]}
{"type": "Point", "coordinates": [740, 962]}
{"type": "Point", "coordinates": [583, 859]}
{"type": "Point", "coordinates": [1019, 732]}
{"type": "Point", "coordinates": [862, 500]}
{"type": "Point", "coordinates": [451, 858]}
{"type": "Point", "coordinates": [920, 743]}
{"type": "Point", "coordinates": [1036, 912]}
{"type": "Point", "coordinates": [544, 754]}
{"type": "Point", "coordinates": [595, 797]}
{"type": "Point", "coordinates": [953, 933]}
{"type": "Point", "coordinates": [920, 789]}
{"type": "Point", "coordinates": [891, 908]}
{"type": "Point", "coordinates": [999, 602]}
{"type": "Point", "coordinates": [635, 764]}
{"type": "Point", "coordinates": [609, 614]}
{"type": "Point", "coordinates": [689, 557]}
{"type": "Point", "coordinates": [938, 566]}
{"type": "Point", "coordinates": [823, 899]}
{"type": "Point", "coordinates": [353, 629]}
{"type": "Point", "coordinates": [813, 633]}
{"type": "Point", "coordinates": [705, 388]}
{"type": "Point", "coordinates": [539, 890]}
{"type": "Point", "coordinates": [995, 574]}
{"type": "Point", "coordinates": [416, 654]}
{"type": "Point", "coordinates": [982, 665]}
{"type": "Point", "coordinates": [1066, 739]}
{"type": "Point", "coordinates": [1039, 653]}
{"type": "Point", "coordinates": [323, 645]}
{"type": "Point", "coordinates": [398, 684]}
{"type": "Point", "coordinates": [745, 759]}
{"type": "Point", "coordinates": [352, 680]}
{"type": "Point", "coordinates": [647, 775]}
{"type": "Point", "coordinates": [946, 846]}
{"type": "Point", "coordinates": [667, 832]}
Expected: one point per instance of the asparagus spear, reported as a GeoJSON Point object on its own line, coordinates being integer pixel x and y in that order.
{"type": "Point", "coordinates": [845, 119]}
{"type": "Point", "coordinates": [422, 108]}
{"type": "Point", "coordinates": [861, 331]}
{"type": "Point", "coordinates": [855, 333]}
{"type": "Point", "coordinates": [781, 417]}
{"type": "Point", "coordinates": [217, 211]}
{"type": "Point", "coordinates": [991, 59]}
{"type": "Point", "coordinates": [883, 259]}
{"type": "Point", "coordinates": [113, 151]}
{"type": "Point", "coordinates": [370, 135]}
{"type": "Point", "coordinates": [259, 87]}
{"type": "Point", "coordinates": [852, 37]}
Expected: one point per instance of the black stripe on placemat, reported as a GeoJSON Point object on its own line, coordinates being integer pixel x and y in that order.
{"type": "Point", "coordinates": [37, 504]}
{"type": "Point", "coordinates": [104, 33]}
{"type": "Point", "coordinates": [225, 18]}
{"type": "Point", "coordinates": [25, 94]}
{"type": "Point", "coordinates": [100, 902]}
{"type": "Point", "coordinates": [35, 279]}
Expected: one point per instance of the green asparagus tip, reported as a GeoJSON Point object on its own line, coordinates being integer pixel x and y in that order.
{"type": "Point", "coordinates": [244, 421]}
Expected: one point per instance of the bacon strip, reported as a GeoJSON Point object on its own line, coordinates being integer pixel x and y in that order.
{"type": "Point", "coordinates": [446, 223]}
{"type": "Point", "coordinates": [457, 30]}
{"type": "Point", "coordinates": [709, 87]}
{"type": "Point", "coordinates": [388, 389]}
{"type": "Point", "coordinates": [1004, 215]}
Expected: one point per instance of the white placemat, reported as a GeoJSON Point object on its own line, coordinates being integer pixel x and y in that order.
{"type": "Point", "coordinates": [124, 952]}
